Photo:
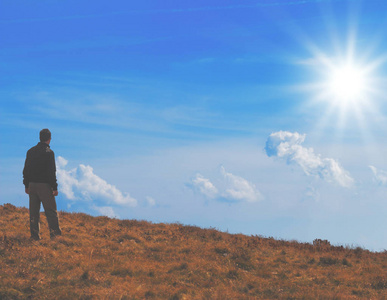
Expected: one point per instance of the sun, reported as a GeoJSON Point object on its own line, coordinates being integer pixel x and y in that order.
{"type": "Point", "coordinates": [345, 84]}
{"type": "Point", "coordinates": [345, 88]}
{"type": "Point", "coordinates": [348, 83]}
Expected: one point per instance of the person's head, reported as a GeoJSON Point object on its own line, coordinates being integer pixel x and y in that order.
{"type": "Point", "coordinates": [45, 136]}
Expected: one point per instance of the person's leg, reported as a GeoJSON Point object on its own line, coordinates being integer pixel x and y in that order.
{"type": "Point", "coordinates": [34, 211]}
{"type": "Point", "coordinates": [49, 204]}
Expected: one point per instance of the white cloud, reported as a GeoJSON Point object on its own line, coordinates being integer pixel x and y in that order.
{"type": "Point", "coordinates": [238, 188]}
{"type": "Point", "coordinates": [234, 188]}
{"type": "Point", "coordinates": [105, 211]}
{"type": "Point", "coordinates": [66, 179]}
{"type": "Point", "coordinates": [82, 183]}
{"type": "Point", "coordinates": [287, 145]}
{"type": "Point", "coordinates": [380, 176]}
{"type": "Point", "coordinates": [151, 201]}
{"type": "Point", "coordinates": [205, 186]}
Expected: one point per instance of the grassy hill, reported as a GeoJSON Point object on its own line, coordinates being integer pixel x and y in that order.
{"type": "Point", "coordinates": [103, 258]}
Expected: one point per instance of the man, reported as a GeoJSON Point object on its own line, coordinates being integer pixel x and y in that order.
{"type": "Point", "coordinates": [39, 175]}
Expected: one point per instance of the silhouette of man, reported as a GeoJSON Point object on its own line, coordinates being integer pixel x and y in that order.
{"type": "Point", "coordinates": [39, 179]}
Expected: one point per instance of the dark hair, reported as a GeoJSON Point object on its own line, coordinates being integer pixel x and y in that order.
{"type": "Point", "coordinates": [45, 135]}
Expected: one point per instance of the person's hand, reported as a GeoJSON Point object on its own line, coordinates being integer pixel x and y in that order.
{"type": "Point", "coordinates": [27, 191]}
{"type": "Point", "coordinates": [55, 193]}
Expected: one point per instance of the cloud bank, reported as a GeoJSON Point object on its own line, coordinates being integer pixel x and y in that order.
{"type": "Point", "coordinates": [82, 184]}
{"type": "Point", "coordinates": [287, 145]}
{"type": "Point", "coordinates": [233, 188]}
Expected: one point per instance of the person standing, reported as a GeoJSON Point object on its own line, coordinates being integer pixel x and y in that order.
{"type": "Point", "coordinates": [39, 179]}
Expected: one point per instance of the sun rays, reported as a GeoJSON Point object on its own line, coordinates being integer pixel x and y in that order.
{"type": "Point", "coordinates": [347, 87]}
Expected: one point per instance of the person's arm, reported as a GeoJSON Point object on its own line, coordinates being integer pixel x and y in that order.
{"type": "Point", "coordinates": [26, 173]}
{"type": "Point", "coordinates": [53, 181]}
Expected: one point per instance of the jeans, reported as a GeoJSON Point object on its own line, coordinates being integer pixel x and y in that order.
{"type": "Point", "coordinates": [42, 193]}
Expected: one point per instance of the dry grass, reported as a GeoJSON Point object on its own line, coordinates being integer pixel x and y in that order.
{"type": "Point", "coordinates": [102, 258]}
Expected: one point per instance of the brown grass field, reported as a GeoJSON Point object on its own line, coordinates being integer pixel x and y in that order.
{"type": "Point", "coordinates": [103, 258]}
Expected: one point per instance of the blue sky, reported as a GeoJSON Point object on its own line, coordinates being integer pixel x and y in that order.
{"type": "Point", "coordinates": [224, 114]}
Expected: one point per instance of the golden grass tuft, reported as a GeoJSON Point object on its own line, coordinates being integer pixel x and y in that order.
{"type": "Point", "coordinates": [103, 258]}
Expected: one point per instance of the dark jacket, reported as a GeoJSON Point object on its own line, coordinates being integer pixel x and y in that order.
{"type": "Point", "coordinates": [40, 166]}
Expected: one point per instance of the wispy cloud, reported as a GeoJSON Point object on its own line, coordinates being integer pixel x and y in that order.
{"type": "Point", "coordinates": [287, 145]}
{"type": "Point", "coordinates": [232, 187]}
{"type": "Point", "coordinates": [262, 4]}
{"type": "Point", "coordinates": [82, 184]}
{"type": "Point", "coordinates": [114, 110]}
{"type": "Point", "coordinates": [380, 176]}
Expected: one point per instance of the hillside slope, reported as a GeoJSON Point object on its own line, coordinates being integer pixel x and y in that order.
{"type": "Point", "coordinates": [102, 258]}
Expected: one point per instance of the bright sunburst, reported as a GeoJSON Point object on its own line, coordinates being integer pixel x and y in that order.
{"type": "Point", "coordinates": [348, 83]}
